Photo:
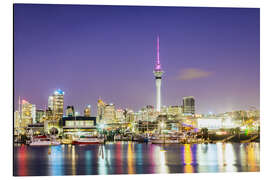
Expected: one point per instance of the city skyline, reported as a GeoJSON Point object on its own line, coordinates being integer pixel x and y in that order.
{"type": "Point", "coordinates": [79, 56]}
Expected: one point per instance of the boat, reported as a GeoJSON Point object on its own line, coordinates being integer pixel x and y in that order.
{"type": "Point", "coordinates": [43, 141]}
{"type": "Point", "coordinates": [88, 140]}
{"type": "Point", "coordinates": [164, 140]}
{"type": "Point", "coordinates": [141, 138]}
{"type": "Point", "coordinates": [66, 141]}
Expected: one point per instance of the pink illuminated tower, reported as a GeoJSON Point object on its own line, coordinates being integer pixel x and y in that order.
{"type": "Point", "coordinates": [158, 74]}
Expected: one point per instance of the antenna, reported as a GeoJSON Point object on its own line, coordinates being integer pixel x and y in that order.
{"type": "Point", "coordinates": [158, 50]}
{"type": "Point", "coordinates": [157, 65]}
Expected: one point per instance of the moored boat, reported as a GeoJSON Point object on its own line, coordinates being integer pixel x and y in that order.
{"type": "Point", "coordinates": [88, 140]}
{"type": "Point", "coordinates": [43, 141]}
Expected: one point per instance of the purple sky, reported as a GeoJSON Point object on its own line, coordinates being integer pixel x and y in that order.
{"type": "Point", "coordinates": [109, 51]}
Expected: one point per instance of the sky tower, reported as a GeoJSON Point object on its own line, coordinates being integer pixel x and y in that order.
{"type": "Point", "coordinates": [158, 74]}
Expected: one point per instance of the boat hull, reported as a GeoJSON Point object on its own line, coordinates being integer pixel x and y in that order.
{"type": "Point", "coordinates": [80, 142]}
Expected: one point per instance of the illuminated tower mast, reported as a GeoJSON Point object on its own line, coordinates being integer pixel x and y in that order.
{"type": "Point", "coordinates": [158, 74]}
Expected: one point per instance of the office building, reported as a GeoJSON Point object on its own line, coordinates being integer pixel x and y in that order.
{"type": "Point", "coordinates": [27, 114]}
{"type": "Point", "coordinates": [100, 110]}
{"type": "Point", "coordinates": [188, 105]}
{"type": "Point", "coordinates": [39, 115]}
{"type": "Point", "coordinates": [70, 111]}
{"type": "Point", "coordinates": [56, 104]}
{"type": "Point", "coordinates": [109, 114]}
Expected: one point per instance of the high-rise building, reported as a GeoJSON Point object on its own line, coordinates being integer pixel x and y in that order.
{"type": "Point", "coordinates": [148, 113]}
{"type": "Point", "coordinates": [120, 116]}
{"type": "Point", "coordinates": [39, 115]}
{"type": "Point", "coordinates": [56, 103]}
{"type": "Point", "coordinates": [34, 113]}
{"type": "Point", "coordinates": [188, 105]}
{"type": "Point", "coordinates": [50, 102]}
{"type": "Point", "coordinates": [17, 119]}
{"type": "Point", "coordinates": [87, 111]}
{"type": "Point", "coordinates": [70, 111]}
{"type": "Point", "coordinates": [109, 114]}
{"type": "Point", "coordinates": [174, 110]}
{"type": "Point", "coordinates": [27, 117]}
{"type": "Point", "coordinates": [100, 111]}
{"type": "Point", "coordinates": [158, 74]}
{"type": "Point", "coordinates": [49, 114]}
{"type": "Point", "coordinates": [130, 116]}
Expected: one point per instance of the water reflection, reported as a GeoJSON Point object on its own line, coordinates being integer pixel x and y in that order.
{"type": "Point", "coordinates": [102, 169]}
{"type": "Point", "coordinates": [88, 161]}
{"type": "Point", "coordinates": [252, 157]}
{"type": "Point", "coordinates": [131, 158]}
{"type": "Point", "coordinates": [229, 158]}
{"type": "Point", "coordinates": [73, 159]}
{"type": "Point", "coordinates": [188, 159]}
{"type": "Point", "coordinates": [56, 160]}
{"type": "Point", "coordinates": [22, 161]}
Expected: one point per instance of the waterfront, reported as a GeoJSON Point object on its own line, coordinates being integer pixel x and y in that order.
{"type": "Point", "coordinates": [135, 158]}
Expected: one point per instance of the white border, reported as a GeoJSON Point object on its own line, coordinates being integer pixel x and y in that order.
{"type": "Point", "coordinates": [7, 89]}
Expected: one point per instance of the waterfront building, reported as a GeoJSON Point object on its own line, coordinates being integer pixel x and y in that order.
{"type": "Point", "coordinates": [78, 125]}
{"type": "Point", "coordinates": [87, 111]}
{"type": "Point", "coordinates": [158, 75]}
{"type": "Point", "coordinates": [37, 128]}
{"type": "Point", "coordinates": [56, 103]}
{"type": "Point", "coordinates": [209, 123]}
{"type": "Point", "coordinates": [188, 105]}
{"type": "Point", "coordinates": [39, 115]}
{"type": "Point", "coordinates": [70, 111]}
{"type": "Point", "coordinates": [27, 114]}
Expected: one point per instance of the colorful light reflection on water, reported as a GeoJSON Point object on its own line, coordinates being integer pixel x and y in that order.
{"type": "Point", "coordinates": [133, 158]}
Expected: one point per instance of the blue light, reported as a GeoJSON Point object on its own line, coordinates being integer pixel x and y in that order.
{"type": "Point", "coordinates": [59, 92]}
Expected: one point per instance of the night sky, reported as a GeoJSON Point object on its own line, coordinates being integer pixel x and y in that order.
{"type": "Point", "coordinates": [109, 52]}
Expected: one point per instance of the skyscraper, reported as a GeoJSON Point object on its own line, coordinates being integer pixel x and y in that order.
{"type": "Point", "coordinates": [87, 111]}
{"type": "Point", "coordinates": [27, 117]}
{"type": "Point", "coordinates": [33, 114]}
{"type": "Point", "coordinates": [158, 74]}
{"type": "Point", "coordinates": [56, 104]}
{"type": "Point", "coordinates": [70, 111]}
{"type": "Point", "coordinates": [17, 120]}
{"type": "Point", "coordinates": [39, 115]}
{"type": "Point", "coordinates": [188, 105]}
{"type": "Point", "coordinates": [109, 114]}
{"type": "Point", "coordinates": [100, 110]}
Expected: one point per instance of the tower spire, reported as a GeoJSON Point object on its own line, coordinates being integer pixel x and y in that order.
{"type": "Point", "coordinates": [158, 65]}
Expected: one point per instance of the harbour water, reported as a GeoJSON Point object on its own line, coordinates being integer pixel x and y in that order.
{"type": "Point", "coordinates": [135, 158]}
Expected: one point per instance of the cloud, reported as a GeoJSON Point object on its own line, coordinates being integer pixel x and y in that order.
{"type": "Point", "coordinates": [193, 73]}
